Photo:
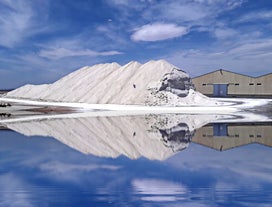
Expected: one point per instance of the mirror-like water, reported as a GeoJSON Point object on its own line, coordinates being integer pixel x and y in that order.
{"type": "Point", "coordinates": [147, 160]}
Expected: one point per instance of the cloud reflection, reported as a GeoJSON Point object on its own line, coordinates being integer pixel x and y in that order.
{"type": "Point", "coordinates": [158, 190]}
{"type": "Point", "coordinates": [13, 191]}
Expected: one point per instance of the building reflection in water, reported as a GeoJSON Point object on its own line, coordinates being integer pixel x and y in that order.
{"type": "Point", "coordinates": [224, 136]}
{"type": "Point", "coordinates": [154, 136]}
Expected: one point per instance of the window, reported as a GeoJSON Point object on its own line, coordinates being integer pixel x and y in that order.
{"type": "Point", "coordinates": [251, 84]}
{"type": "Point", "coordinates": [259, 135]}
{"type": "Point", "coordinates": [259, 84]}
{"type": "Point", "coordinates": [204, 84]}
{"type": "Point", "coordinates": [237, 84]}
{"type": "Point", "coordinates": [251, 135]}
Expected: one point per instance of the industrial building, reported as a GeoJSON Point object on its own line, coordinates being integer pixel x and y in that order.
{"type": "Point", "coordinates": [223, 83]}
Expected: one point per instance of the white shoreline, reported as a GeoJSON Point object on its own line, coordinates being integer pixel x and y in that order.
{"type": "Point", "coordinates": [195, 108]}
{"type": "Point", "coordinates": [224, 103]}
{"type": "Point", "coordinates": [227, 106]}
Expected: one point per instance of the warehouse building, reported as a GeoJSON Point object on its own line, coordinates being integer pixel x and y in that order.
{"type": "Point", "coordinates": [223, 83]}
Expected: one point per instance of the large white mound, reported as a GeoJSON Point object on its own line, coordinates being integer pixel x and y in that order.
{"type": "Point", "coordinates": [152, 83]}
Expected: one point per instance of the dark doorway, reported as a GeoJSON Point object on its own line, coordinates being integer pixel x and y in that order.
{"type": "Point", "coordinates": [220, 90]}
{"type": "Point", "coordinates": [220, 130]}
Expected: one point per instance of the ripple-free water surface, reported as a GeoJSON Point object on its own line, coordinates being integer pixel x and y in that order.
{"type": "Point", "coordinates": [42, 171]}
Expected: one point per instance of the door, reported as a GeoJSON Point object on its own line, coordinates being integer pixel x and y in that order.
{"type": "Point", "coordinates": [220, 130]}
{"type": "Point", "coordinates": [220, 90]}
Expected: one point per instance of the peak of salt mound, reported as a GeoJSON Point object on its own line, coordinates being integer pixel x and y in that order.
{"type": "Point", "coordinates": [131, 65]}
{"type": "Point", "coordinates": [159, 64]}
{"type": "Point", "coordinates": [153, 83]}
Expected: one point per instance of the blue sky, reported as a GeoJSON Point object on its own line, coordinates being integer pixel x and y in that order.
{"type": "Point", "coordinates": [40, 41]}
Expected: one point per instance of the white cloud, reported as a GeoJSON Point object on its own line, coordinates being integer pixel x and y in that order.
{"type": "Point", "coordinates": [57, 53]}
{"type": "Point", "coordinates": [120, 2]}
{"type": "Point", "coordinates": [253, 16]}
{"type": "Point", "coordinates": [177, 11]}
{"type": "Point", "coordinates": [194, 12]}
{"type": "Point", "coordinates": [127, 4]}
{"type": "Point", "coordinates": [158, 31]}
{"type": "Point", "coordinates": [253, 58]}
{"type": "Point", "coordinates": [16, 22]}
{"type": "Point", "coordinates": [19, 20]}
{"type": "Point", "coordinates": [253, 49]}
{"type": "Point", "coordinates": [224, 33]}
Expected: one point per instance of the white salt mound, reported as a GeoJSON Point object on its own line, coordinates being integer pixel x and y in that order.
{"type": "Point", "coordinates": [152, 83]}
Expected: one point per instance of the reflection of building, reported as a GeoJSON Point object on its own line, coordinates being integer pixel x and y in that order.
{"type": "Point", "coordinates": [227, 136]}
{"type": "Point", "coordinates": [226, 83]}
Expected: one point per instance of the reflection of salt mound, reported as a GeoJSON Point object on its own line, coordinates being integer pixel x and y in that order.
{"type": "Point", "coordinates": [153, 83]}
{"type": "Point", "coordinates": [132, 136]}
{"type": "Point", "coordinates": [177, 136]}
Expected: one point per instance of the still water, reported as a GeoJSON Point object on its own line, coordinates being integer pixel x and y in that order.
{"type": "Point", "coordinates": [149, 160]}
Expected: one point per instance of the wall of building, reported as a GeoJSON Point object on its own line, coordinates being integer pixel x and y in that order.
{"type": "Point", "coordinates": [238, 85]}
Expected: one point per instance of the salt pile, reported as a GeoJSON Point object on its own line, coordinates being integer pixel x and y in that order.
{"type": "Point", "coordinates": [152, 83]}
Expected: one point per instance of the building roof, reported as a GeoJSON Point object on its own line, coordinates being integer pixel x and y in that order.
{"type": "Point", "coordinates": [233, 73]}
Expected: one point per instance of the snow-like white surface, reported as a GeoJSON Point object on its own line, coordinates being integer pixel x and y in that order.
{"type": "Point", "coordinates": [132, 83]}
{"type": "Point", "coordinates": [223, 106]}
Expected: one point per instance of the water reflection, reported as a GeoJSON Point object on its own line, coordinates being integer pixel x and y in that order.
{"type": "Point", "coordinates": [153, 136]}
{"type": "Point", "coordinates": [40, 171]}
{"type": "Point", "coordinates": [226, 136]}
